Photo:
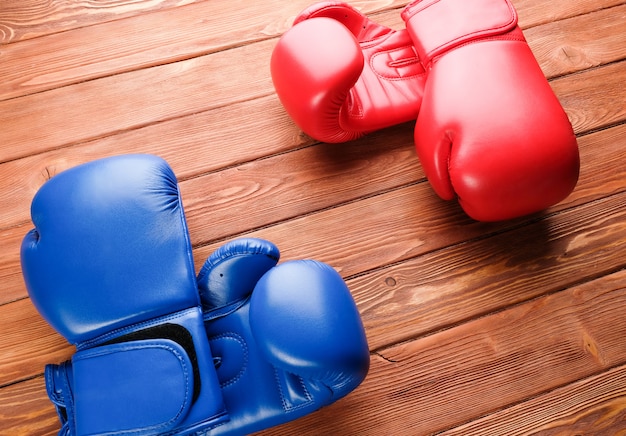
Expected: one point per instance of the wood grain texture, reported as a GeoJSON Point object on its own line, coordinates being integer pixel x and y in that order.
{"type": "Point", "coordinates": [466, 281]}
{"type": "Point", "coordinates": [193, 145]}
{"type": "Point", "coordinates": [594, 405]}
{"type": "Point", "coordinates": [532, 13]}
{"type": "Point", "coordinates": [28, 343]}
{"type": "Point", "coordinates": [65, 116]}
{"type": "Point", "coordinates": [512, 328]}
{"type": "Point", "coordinates": [598, 98]}
{"type": "Point", "coordinates": [25, 19]}
{"type": "Point", "coordinates": [602, 173]}
{"type": "Point", "coordinates": [580, 42]}
{"type": "Point", "coordinates": [200, 28]}
{"type": "Point", "coordinates": [195, 30]}
{"type": "Point", "coordinates": [26, 410]}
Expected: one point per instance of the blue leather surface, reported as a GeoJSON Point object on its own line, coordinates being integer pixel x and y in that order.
{"type": "Point", "coordinates": [247, 345]}
{"type": "Point", "coordinates": [289, 341]}
{"type": "Point", "coordinates": [155, 373]}
{"type": "Point", "coordinates": [101, 229]}
{"type": "Point", "coordinates": [109, 266]}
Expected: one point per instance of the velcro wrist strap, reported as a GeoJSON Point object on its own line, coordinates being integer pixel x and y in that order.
{"type": "Point", "coordinates": [58, 386]}
{"type": "Point", "coordinates": [139, 387]}
{"type": "Point", "coordinates": [229, 275]}
{"type": "Point", "coordinates": [437, 26]}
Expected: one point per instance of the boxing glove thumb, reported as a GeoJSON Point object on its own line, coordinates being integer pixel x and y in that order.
{"type": "Point", "coordinates": [340, 75]}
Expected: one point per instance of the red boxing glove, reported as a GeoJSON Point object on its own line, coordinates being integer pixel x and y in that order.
{"type": "Point", "coordinates": [340, 75]}
{"type": "Point", "coordinates": [490, 131]}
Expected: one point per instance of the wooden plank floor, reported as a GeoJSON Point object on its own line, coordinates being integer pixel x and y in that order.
{"type": "Point", "coordinates": [474, 329]}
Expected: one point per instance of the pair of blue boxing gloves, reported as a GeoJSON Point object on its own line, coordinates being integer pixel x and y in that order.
{"type": "Point", "coordinates": [246, 344]}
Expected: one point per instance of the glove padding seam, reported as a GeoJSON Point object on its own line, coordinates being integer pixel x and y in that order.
{"type": "Point", "coordinates": [114, 334]}
{"type": "Point", "coordinates": [244, 346]}
{"type": "Point", "coordinates": [393, 64]}
{"type": "Point", "coordinates": [286, 406]}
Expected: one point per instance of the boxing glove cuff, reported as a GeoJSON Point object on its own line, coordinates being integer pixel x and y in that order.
{"type": "Point", "coordinates": [437, 26]}
{"type": "Point", "coordinates": [158, 374]}
{"type": "Point", "coordinates": [152, 367]}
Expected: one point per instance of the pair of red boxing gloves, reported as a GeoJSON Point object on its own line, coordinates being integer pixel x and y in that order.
{"type": "Point", "coordinates": [489, 129]}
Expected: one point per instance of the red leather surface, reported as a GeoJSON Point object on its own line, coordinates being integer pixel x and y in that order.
{"type": "Point", "coordinates": [437, 26]}
{"type": "Point", "coordinates": [339, 75]}
{"type": "Point", "coordinates": [491, 131]}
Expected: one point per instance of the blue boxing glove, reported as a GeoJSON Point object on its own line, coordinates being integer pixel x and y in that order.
{"type": "Point", "coordinates": [109, 265]}
{"type": "Point", "coordinates": [287, 339]}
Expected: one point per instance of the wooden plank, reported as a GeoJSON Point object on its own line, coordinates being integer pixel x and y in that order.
{"type": "Point", "coordinates": [103, 107]}
{"type": "Point", "coordinates": [66, 116]}
{"type": "Point", "coordinates": [595, 405]}
{"type": "Point", "coordinates": [534, 13]}
{"type": "Point", "coordinates": [465, 281]}
{"type": "Point", "coordinates": [185, 32]}
{"type": "Point", "coordinates": [217, 204]}
{"type": "Point", "coordinates": [26, 409]}
{"type": "Point", "coordinates": [594, 98]}
{"type": "Point", "coordinates": [449, 378]}
{"type": "Point", "coordinates": [27, 343]}
{"type": "Point", "coordinates": [25, 19]}
{"type": "Point", "coordinates": [193, 145]}
{"type": "Point", "coordinates": [10, 270]}
{"type": "Point", "coordinates": [286, 186]}
{"type": "Point", "coordinates": [407, 222]}
{"type": "Point", "coordinates": [601, 165]}
{"type": "Point", "coordinates": [376, 231]}
{"type": "Point", "coordinates": [579, 43]}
